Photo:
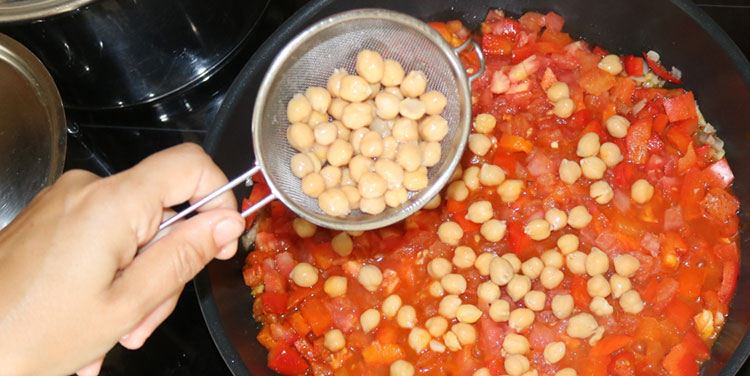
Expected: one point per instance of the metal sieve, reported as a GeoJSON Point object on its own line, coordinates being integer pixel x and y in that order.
{"type": "Point", "coordinates": [309, 60]}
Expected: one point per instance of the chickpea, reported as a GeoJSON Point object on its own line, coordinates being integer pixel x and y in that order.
{"type": "Point", "coordinates": [532, 267]}
{"type": "Point", "coordinates": [395, 197]}
{"type": "Point", "coordinates": [436, 289]}
{"type": "Point", "coordinates": [436, 326]}
{"type": "Point", "coordinates": [600, 307]}
{"type": "Point", "coordinates": [457, 191]}
{"type": "Point", "coordinates": [567, 243]}
{"type": "Point", "coordinates": [335, 286]}
{"type": "Point", "coordinates": [401, 368]}
{"type": "Point", "coordinates": [409, 156]}
{"type": "Point", "coordinates": [453, 283]}
{"type": "Point", "coordinates": [619, 285]}
{"type": "Point", "coordinates": [480, 212]}
{"type": "Point", "coordinates": [552, 258]}
{"type": "Point", "coordinates": [579, 217]}
{"type": "Point", "coordinates": [303, 228]}
{"type": "Point", "coordinates": [631, 302]}
{"type": "Point", "coordinates": [451, 341]}
{"type": "Point", "coordinates": [336, 108]}
{"type": "Point", "coordinates": [360, 165]}
{"type": "Point", "coordinates": [499, 310]}
{"type": "Point", "coordinates": [551, 277]}
{"type": "Point", "coordinates": [598, 286]}
{"type": "Point", "coordinates": [537, 229]}
{"type": "Point", "coordinates": [556, 218]}
{"type": "Point", "coordinates": [468, 313]}
{"type": "Point", "coordinates": [434, 102]}
{"type": "Point", "coordinates": [414, 84]}
{"type": "Point", "coordinates": [559, 90]}
{"type": "Point", "coordinates": [588, 145]}
{"type": "Point", "coordinates": [370, 65]}
{"type": "Point", "coordinates": [514, 261]}
{"type": "Point", "coordinates": [518, 286]}
{"type": "Point", "coordinates": [352, 195]}
{"type": "Point", "coordinates": [554, 352]}
{"type": "Point", "coordinates": [482, 263]}
{"type": "Point", "coordinates": [493, 230]}
{"type": "Point", "coordinates": [566, 372]}
{"type": "Point", "coordinates": [464, 257]}
{"type": "Point", "coordinates": [601, 192]}
{"type": "Point", "coordinates": [356, 115]}
{"type": "Point", "coordinates": [484, 371]}
{"type": "Point", "coordinates": [439, 267]}
{"type": "Point", "coordinates": [372, 205]}
{"type": "Point", "coordinates": [434, 203]}
{"type": "Point", "coordinates": [569, 171]}
{"type": "Point", "coordinates": [298, 110]}
{"type": "Point", "coordinates": [626, 265]}
{"type": "Point", "coordinates": [598, 334]}
{"type": "Point", "coordinates": [515, 344]}
{"type": "Point", "coordinates": [510, 190]}
{"type": "Point", "coordinates": [334, 81]}
{"type": "Point", "coordinates": [331, 176]}
{"type": "Point", "coordinates": [370, 277]}
{"type": "Point", "coordinates": [342, 131]}
{"type": "Point", "coordinates": [479, 144]}
{"type": "Point", "coordinates": [562, 306]}
{"type": "Point", "coordinates": [411, 108]}
{"type": "Point", "coordinates": [581, 325]}
{"type": "Point", "coordinates": [564, 108]}
{"type": "Point", "coordinates": [304, 275]}
{"type": "Point", "coordinates": [490, 175]}
{"type": "Point", "coordinates": [535, 300]}
{"type": "Point", "coordinates": [641, 191]}
{"type": "Point", "coordinates": [431, 153]}
{"type": "Point", "coordinates": [301, 165]}
{"type": "Point", "coordinates": [450, 233]}
{"type": "Point", "coordinates": [471, 177]}
{"type": "Point", "coordinates": [334, 340]}
{"type": "Point", "coordinates": [342, 244]}
{"type": "Point", "coordinates": [386, 105]}
{"type": "Point", "coordinates": [597, 262]}
{"type": "Point", "coordinates": [516, 365]}
{"type": "Point", "coordinates": [391, 305]}
{"type": "Point", "coordinates": [617, 126]}
{"type": "Point", "coordinates": [465, 333]}
{"type": "Point", "coordinates": [416, 180]}
{"type": "Point", "coordinates": [372, 185]}
{"type": "Point", "coordinates": [610, 64]}
{"type": "Point", "coordinates": [484, 123]}
{"type": "Point", "coordinates": [334, 202]}
{"type": "Point", "coordinates": [317, 118]}
{"type": "Point", "coordinates": [313, 185]}
{"type": "Point", "coordinates": [405, 130]}
{"type": "Point", "coordinates": [448, 306]}
{"type": "Point", "coordinates": [593, 168]}
{"type": "Point", "coordinates": [339, 153]}
{"type": "Point", "coordinates": [610, 153]}
{"type": "Point", "coordinates": [319, 98]}
{"type": "Point", "coordinates": [488, 292]}
{"type": "Point", "coordinates": [501, 274]}
{"type": "Point", "coordinates": [369, 320]}
{"type": "Point", "coordinates": [418, 339]}
{"type": "Point", "coordinates": [393, 73]}
{"type": "Point", "coordinates": [354, 89]}
{"type": "Point", "coordinates": [371, 145]}
{"type": "Point", "coordinates": [433, 128]}
{"type": "Point", "coordinates": [576, 262]}
{"type": "Point", "coordinates": [300, 136]}
{"type": "Point", "coordinates": [395, 90]}
{"type": "Point", "coordinates": [406, 317]}
{"type": "Point", "coordinates": [316, 163]}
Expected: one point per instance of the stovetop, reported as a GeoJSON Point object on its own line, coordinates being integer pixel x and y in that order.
{"type": "Point", "coordinates": [113, 141]}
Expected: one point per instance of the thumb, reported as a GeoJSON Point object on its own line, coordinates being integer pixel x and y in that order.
{"type": "Point", "coordinates": [167, 264]}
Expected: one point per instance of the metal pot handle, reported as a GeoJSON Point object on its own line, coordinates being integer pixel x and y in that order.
{"type": "Point", "coordinates": [478, 49]}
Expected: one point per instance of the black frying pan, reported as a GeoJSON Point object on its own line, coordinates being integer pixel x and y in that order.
{"type": "Point", "coordinates": [711, 63]}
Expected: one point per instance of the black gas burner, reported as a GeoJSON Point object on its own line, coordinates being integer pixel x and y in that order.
{"type": "Point", "coordinates": [113, 140]}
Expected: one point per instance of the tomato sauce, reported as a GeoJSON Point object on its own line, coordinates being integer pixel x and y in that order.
{"type": "Point", "coordinates": [684, 237]}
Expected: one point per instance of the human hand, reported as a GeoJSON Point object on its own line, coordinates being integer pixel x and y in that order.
{"type": "Point", "coordinates": [71, 282]}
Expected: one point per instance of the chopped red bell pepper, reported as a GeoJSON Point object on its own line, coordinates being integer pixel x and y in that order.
{"type": "Point", "coordinates": [496, 45]}
{"type": "Point", "coordinates": [580, 118]}
{"type": "Point", "coordinates": [728, 280]}
{"type": "Point", "coordinates": [580, 294]}
{"type": "Point", "coordinates": [285, 360]}
{"type": "Point", "coordinates": [660, 123]}
{"type": "Point", "coordinates": [679, 313]}
{"type": "Point", "coordinates": [636, 141]}
{"type": "Point", "coordinates": [661, 71]}
{"type": "Point", "coordinates": [719, 174]}
{"type": "Point", "coordinates": [633, 65]}
{"type": "Point", "coordinates": [513, 143]}
{"type": "Point", "coordinates": [696, 345]}
{"type": "Point", "coordinates": [680, 362]}
{"type": "Point", "coordinates": [517, 238]}
{"type": "Point", "coordinates": [521, 53]}
{"type": "Point", "coordinates": [610, 344]}
{"type": "Point", "coordinates": [600, 51]}
{"type": "Point", "coordinates": [274, 302]}
{"type": "Point", "coordinates": [681, 107]}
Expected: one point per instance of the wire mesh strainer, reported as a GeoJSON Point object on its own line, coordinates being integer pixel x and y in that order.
{"type": "Point", "coordinates": [310, 58]}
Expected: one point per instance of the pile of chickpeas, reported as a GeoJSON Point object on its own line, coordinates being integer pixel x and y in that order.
{"type": "Point", "coordinates": [366, 140]}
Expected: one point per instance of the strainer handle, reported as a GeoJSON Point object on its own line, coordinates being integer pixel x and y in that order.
{"type": "Point", "coordinates": [237, 181]}
{"type": "Point", "coordinates": [478, 49]}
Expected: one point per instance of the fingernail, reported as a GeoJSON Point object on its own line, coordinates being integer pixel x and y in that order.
{"type": "Point", "coordinates": [227, 230]}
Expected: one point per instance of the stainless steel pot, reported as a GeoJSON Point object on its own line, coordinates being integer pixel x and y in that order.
{"type": "Point", "coordinates": [115, 53]}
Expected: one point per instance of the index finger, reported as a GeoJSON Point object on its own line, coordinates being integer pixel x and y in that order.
{"type": "Point", "coordinates": [167, 178]}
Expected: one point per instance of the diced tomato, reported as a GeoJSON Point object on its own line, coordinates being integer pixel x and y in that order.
{"type": "Point", "coordinates": [704, 154]}
{"type": "Point", "coordinates": [597, 81]}
{"type": "Point", "coordinates": [680, 362]}
{"type": "Point", "coordinates": [265, 338]}
{"type": "Point", "coordinates": [259, 191]}
{"type": "Point", "coordinates": [718, 174]}
{"type": "Point", "coordinates": [624, 175]}
{"type": "Point", "coordinates": [600, 51]}
{"type": "Point", "coordinates": [666, 292]}
{"type": "Point", "coordinates": [382, 354]}
{"type": "Point", "coordinates": [556, 38]}
{"type": "Point", "coordinates": [655, 144]}
{"type": "Point", "coordinates": [727, 252]}
{"type": "Point", "coordinates": [496, 45]}
{"type": "Point", "coordinates": [729, 280]}
{"type": "Point", "coordinates": [580, 294]}
{"type": "Point", "coordinates": [299, 324]}
{"type": "Point", "coordinates": [681, 108]}
{"type": "Point", "coordinates": [520, 54]}
{"type": "Point", "coordinates": [637, 141]}
{"type": "Point", "coordinates": [511, 143]}
{"type": "Point", "coordinates": [660, 123]}
{"type": "Point", "coordinates": [623, 90]}
{"type": "Point", "coordinates": [696, 345]}
{"type": "Point", "coordinates": [679, 313]}
{"type": "Point", "coordinates": [505, 160]}
{"type": "Point", "coordinates": [594, 126]}
{"type": "Point", "coordinates": [316, 315]}
{"type": "Point", "coordinates": [580, 118]}
{"type": "Point", "coordinates": [633, 65]}
{"type": "Point", "coordinates": [532, 21]}
{"type": "Point", "coordinates": [274, 302]}
{"type": "Point", "coordinates": [687, 161]}
{"type": "Point", "coordinates": [595, 366]}
{"type": "Point", "coordinates": [387, 333]}
{"type": "Point", "coordinates": [692, 193]}
{"type": "Point", "coordinates": [623, 364]}
{"type": "Point", "coordinates": [660, 71]}
{"type": "Point", "coordinates": [554, 21]}
{"type": "Point", "coordinates": [719, 205]}
{"type": "Point", "coordinates": [691, 281]}
{"type": "Point", "coordinates": [285, 360]}
{"type": "Point", "coordinates": [518, 240]}
{"type": "Point", "coordinates": [610, 344]}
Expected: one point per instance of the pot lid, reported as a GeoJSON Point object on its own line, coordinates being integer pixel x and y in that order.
{"type": "Point", "coordinates": [25, 10]}
{"type": "Point", "coordinates": [32, 128]}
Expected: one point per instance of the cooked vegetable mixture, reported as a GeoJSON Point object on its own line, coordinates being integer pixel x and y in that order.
{"type": "Point", "coordinates": [590, 230]}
